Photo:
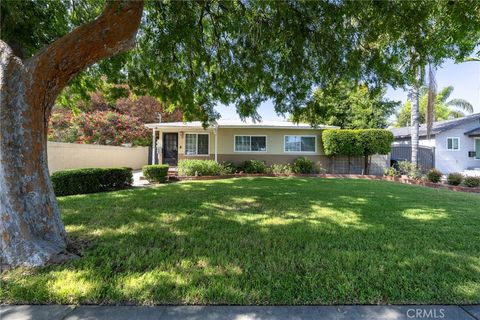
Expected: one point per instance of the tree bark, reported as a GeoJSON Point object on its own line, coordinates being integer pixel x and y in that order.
{"type": "Point", "coordinates": [32, 232]}
{"type": "Point", "coordinates": [414, 132]}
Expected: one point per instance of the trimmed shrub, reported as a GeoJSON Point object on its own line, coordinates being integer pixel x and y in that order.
{"type": "Point", "coordinates": [303, 165]}
{"type": "Point", "coordinates": [254, 166]}
{"type": "Point", "coordinates": [194, 167]}
{"type": "Point", "coordinates": [281, 169]}
{"type": "Point", "coordinates": [228, 168]}
{"type": "Point", "coordinates": [471, 182]}
{"type": "Point", "coordinates": [90, 180]}
{"type": "Point", "coordinates": [156, 172]}
{"type": "Point", "coordinates": [454, 178]}
{"type": "Point", "coordinates": [434, 175]}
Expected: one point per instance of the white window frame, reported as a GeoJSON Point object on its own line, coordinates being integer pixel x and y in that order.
{"type": "Point", "coordinates": [196, 145]}
{"type": "Point", "coordinates": [446, 143]}
{"type": "Point", "coordinates": [250, 135]}
{"type": "Point", "coordinates": [475, 149]}
{"type": "Point", "coordinates": [299, 135]}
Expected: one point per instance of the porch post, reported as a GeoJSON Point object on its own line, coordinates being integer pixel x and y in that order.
{"type": "Point", "coordinates": [153, 146]}
{"type": "Point", "coordinates": [216, 142]}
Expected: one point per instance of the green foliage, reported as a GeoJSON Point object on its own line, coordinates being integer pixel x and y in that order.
{"type": "Point", "coordinates": [434, 175]}
{"type": "Point", "coordinates": [156, 172]}
{"type": "Point", "coordinates": [228, 168]}
{"type": "Point", "coordinates": [409, 169]}
{"type": "Point", "coordinates": [200, 53]}
{"type": "Point", "coordinates": [391, 172]}
{"type": "Point", "coordinates": [454, 178]}
{"type": "Point", "coordinates": [253, 166]}
{"type": "Point", "coordinates": [90, 180]}
{"type": "Point", "coordinates": [361, 142]}
{"type": "Point", "coordinates": [304, 165]}
{"type": "Point", "coordinates": [347, 106]}
{"type": "Point", "coordinates": [444, 109]}
{"type": "Point", "coordinates": [194, 167]}
{"type": "Point", "coordinates": [471, 182]}
{"type": "Point", "coordinates": [281, 169]}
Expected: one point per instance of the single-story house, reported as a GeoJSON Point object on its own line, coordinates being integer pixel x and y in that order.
{"type": "Point", "coordinates": [275, 142]}
{"type": "Point", "coordinates": [455, 143]}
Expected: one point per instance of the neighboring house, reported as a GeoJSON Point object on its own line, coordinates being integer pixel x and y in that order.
{"type": "Point", "coordinates": [274, 142]}
{"type": "Point", "coordinates": [455, 143]}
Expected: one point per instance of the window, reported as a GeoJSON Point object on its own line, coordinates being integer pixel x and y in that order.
{"type": "Point", "coordinates": [300, 143]}
{"type": "Point", "coordinates": [453, 143]}
{"type": "Point", "coordinates": [196, 144]}
{"type": "Point", "coordinates": [250, 143]}
{"type": "Point", "coordinates": [477, 148]}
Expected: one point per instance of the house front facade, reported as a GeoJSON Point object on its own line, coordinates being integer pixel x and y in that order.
{"type": "Point", "coordinates": [455, 143]}
{"type": "Point", "coordinates": [274, 142]}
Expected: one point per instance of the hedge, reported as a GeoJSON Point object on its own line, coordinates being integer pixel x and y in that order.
{"type": "Point", "coordinates": [194, 167]}
{"type": "Point", "coordinates": [155, 172]}
{"type": "Point", "coordinates": [90, 180]}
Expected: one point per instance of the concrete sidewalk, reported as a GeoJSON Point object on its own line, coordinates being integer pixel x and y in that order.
{"type": "Point", "coordinates": [60, 312]}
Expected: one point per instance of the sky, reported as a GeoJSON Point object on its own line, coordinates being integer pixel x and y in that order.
{"type": "Point", "coordinates": [464, 77]}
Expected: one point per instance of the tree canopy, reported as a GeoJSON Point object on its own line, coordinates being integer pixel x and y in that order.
{"type": "Point", "coordinates": [445, 109]}
{"type": "Point", "coordinates": [348, 106]}
{"type": "Point", "coordinates": [196, 54]}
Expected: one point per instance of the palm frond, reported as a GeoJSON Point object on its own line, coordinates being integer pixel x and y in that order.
{"type": "Point", "coordinates": [461, 104]}
{"type": "Point", "coordinates": [453, 114]}
{"type": "Point", "coordinates": [445, 93]}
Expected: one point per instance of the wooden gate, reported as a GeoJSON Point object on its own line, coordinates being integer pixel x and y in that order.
{"type": "Point", "coordinates": [426, 155]}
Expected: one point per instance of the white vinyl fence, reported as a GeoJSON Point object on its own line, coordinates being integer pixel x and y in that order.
{"type": "Point", "coordinates": [72, 155]}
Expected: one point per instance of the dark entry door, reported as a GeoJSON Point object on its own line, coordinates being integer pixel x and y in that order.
{"type": "Point", "coordinates": [170, 148]}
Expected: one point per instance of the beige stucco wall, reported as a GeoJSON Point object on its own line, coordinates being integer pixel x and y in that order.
{"type": "Point", "coordinates": [275, 139]}
{"type": "Point", "coordinates": [72, 155]}
{"type": "Point", "coordinates": [275, 145]}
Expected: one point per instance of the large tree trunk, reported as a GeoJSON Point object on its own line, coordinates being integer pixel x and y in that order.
{"type": "Point", "coordinates": [32, 232]}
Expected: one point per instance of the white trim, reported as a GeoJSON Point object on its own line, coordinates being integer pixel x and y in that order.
{"type": "Point", "coordinates": [250, 135]}
{"type": "Point", "coordinates": [475, 149]}
{"type": "Point", "coordinates": [196, 145]}
{"type": "Point", "coordinates": [299, 135]}
{"type": "Point", "coordinates": [446, 143]}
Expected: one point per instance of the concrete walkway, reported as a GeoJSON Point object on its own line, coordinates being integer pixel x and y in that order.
{"type": "Point", "coordinates": [60, 312]}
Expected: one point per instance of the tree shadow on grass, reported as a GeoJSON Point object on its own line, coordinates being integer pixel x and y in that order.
{"type": "Point", "coordinates": [266, 241]}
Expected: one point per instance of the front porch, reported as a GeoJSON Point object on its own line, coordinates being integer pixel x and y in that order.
{"type": "Point", "coordinates": [172, 143]}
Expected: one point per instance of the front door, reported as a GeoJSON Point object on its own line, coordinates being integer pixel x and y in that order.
{"type": "Point", "coordinates": [170, 149]}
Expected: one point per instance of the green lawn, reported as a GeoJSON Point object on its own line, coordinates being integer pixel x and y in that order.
{"type": "Point", "coordinates": [264, 241]}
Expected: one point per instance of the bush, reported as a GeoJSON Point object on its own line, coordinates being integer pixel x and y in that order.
{"type": "Point", "coordinates": [254, 166]}
{"type": "Point", "coordinates": [228, 168]}
{"type": "Point", "coordinates": [409, 169]}
{"type": "Point", "coordinates": [434, 175]}
{"type": "Point", "coordinates": [454, 179]}
{"type": "Point", "coordinates": [90, 180]}
{"type": "Point", "coordinates": [281, 169]}
{"type": "Point", "coordinates": [196, 167]}
{"type": "Point", "coordinates": [391, 172]}
{"type": "Point", "coordinates": [156, 172]}
{"type": "Point", "coordinates": [303, 165]}
{"type": "Point", "coordinates": [471, 182]}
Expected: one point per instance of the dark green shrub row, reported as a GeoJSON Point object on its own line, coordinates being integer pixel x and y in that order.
{"type": "Point", "coordinates": [90, 180]}
{"type": "Point", "coordinates": [194, 167]}
{"type": "Point", "coordinates": [253, 166]}
{"type": "Point", "coordinates": [155, 172]}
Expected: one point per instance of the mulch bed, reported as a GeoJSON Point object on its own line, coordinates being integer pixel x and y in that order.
{"type": "Point", "coordinates": [332, 176]}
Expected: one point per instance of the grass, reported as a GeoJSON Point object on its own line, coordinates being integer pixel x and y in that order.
{"type": "Point", "coordinates": [264, 241]}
